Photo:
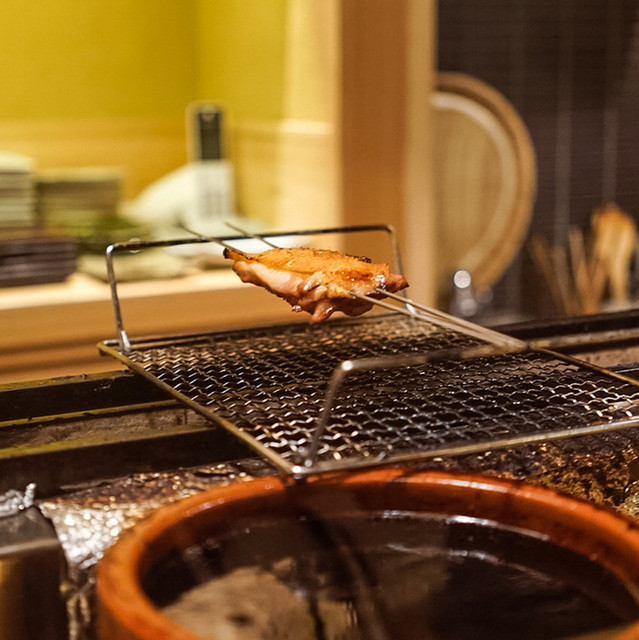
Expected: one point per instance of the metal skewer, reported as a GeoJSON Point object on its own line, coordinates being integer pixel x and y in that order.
{"type": "Point", "coordinates": [443, 319]}
{"type": "Point", "coordinates": [251, 235]}
{"type": "Point", "coordinates": [226, 245]}
{"type": "Point", "coordinates": [219, 241]}
{"type": "Point", "coordinates": [458, 323]}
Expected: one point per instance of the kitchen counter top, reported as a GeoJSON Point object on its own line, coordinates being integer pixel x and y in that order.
{"type": "Point", "coordinates": [51, 330]}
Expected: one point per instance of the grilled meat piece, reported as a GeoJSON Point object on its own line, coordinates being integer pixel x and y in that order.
{"type": "Point", "coordinates": [318, 281]}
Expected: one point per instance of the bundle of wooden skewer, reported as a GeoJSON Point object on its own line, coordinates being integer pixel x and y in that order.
{"type": "Point", "coordinates": [590, 270]}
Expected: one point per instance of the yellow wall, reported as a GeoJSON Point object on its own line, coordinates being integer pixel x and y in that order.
{"type": "Point", "coordinates": [107, 82]}
{"type": "Point", "coordinates": [241, 56]}
{"type": "Point", "coordinates": [104, 58]}
{"type": "Point", "coordinates": [73, 58]}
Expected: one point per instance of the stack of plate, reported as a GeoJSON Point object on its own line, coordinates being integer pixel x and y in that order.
{"type": "Point", "coordinates": [17, 193]}
{"type": "Point", "coordinates": [29, 257]}
{"type": "Point", "coordinates": [76, 200]}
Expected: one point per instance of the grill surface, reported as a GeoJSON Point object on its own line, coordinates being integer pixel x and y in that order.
{"type": "Point", "coordinates": [268, 386]}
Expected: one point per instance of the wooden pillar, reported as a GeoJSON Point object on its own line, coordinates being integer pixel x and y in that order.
{"type": "Point", "coordinates": [387, 69]}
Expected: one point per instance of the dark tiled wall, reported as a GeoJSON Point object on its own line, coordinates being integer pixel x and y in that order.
{"type": "Point", "coordinates": [571, 68]}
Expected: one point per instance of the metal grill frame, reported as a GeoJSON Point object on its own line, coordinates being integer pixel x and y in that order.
{"type": "Point", "coordinates": [309, 464]}
{"type": "Point", "coordinates": [135, 246]}
{"type": "Point", "coordinates": [491, 343]}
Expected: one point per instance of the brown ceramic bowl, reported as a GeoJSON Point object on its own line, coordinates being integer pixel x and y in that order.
{"type": "Point", "coordinates": [595, 535]}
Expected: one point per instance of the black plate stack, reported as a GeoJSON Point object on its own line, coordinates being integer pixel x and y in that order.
{"type": "Point", "coordinates": [32, 257]}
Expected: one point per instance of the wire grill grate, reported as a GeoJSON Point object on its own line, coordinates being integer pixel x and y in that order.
{"type": "Point", "coordinates": [269, 386]}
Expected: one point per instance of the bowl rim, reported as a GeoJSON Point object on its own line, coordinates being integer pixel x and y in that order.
{"type": "Point", "coordinates": [125, 611]}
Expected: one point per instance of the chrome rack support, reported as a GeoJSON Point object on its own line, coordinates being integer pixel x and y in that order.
{"type": "Point", "coordinates": [349, 367]}
{"type": "Point", "coordinates": [133, 246]}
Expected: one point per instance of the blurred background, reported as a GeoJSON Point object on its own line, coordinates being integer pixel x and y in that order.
{"type": "Point", "coordinates": [571, 70]}
{"type": "Point", "coordinates": [500, 138]}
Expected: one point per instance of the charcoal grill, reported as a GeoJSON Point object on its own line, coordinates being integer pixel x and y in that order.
{"type": "Point", "coordinates": [407, 385]}
{"type": "Point", "coordinates": [105, 449]}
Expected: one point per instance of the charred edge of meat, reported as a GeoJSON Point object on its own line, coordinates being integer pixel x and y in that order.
{"type": "Point", "coordinates": [362, 258]}
{"type": "Point", "coordinates": [228, 250]}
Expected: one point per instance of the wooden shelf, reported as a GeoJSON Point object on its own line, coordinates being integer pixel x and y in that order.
{"type": "Point", "coordinates": [52, 330]}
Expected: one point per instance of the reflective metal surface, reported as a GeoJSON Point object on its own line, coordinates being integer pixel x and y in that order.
{"type": "Point", "coordinates": [31, 573]}
{"type": "Point", "coordinates": [268, 387]}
